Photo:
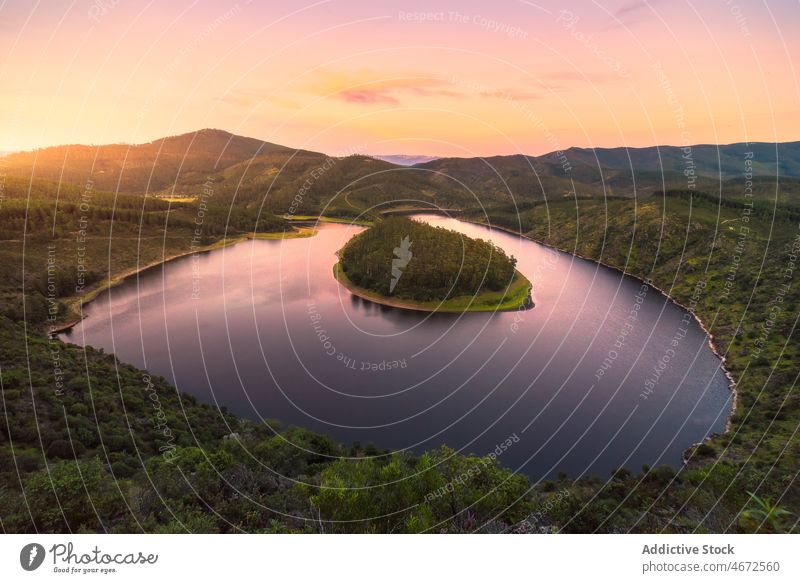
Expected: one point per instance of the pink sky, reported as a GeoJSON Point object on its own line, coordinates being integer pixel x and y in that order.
{"type": "Point", "coordinates": [442, 78]}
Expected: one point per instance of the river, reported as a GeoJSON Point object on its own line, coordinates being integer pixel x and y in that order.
{"type": "Point", "coordinates": [604, 372]}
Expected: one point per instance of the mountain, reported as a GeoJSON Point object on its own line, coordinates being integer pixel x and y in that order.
{"type": "Point", "coordinates": [622, 171]}
{"type": "Point", "coordinates": [247, 173]}
{"type": "Point", "coordinates": [405, 159]}
{"type": "Point", "coordinates": [140, 168]}
{"type": "Point", "coordinates": [768, 159]}
{"type": "Point", "coordinates": [250, 173]}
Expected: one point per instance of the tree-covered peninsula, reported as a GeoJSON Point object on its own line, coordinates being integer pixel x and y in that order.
{"type": "Point", "coordinates": [410, 264]}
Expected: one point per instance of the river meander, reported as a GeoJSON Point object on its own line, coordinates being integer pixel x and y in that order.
{"type": "Point", "coordinates": [604, 372]}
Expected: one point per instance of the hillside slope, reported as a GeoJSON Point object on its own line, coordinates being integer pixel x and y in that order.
{"type": "Point", "coordinates": [266, 176]}
{"type": "Point", "coordinates": [140, 168]}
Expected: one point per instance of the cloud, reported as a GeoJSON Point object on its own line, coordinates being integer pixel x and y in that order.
{"type": "Point", "coordinates": [366, 88]}
{"type": "Point", "coordinates": [366, 95]}
{"type": "Point", "coordinates": [391, 91]}
{"type": "Point", "coordinates": [238, 99]}
{"type": "Point", "coordinates": [475, 87]}
{"type": "Point", "coordinates": [520, 94]}
{"type": "Point", "coordinates": [509, 94]}
{"type": "Point", "coordinates": [630, 13]}
{"type": "Point", "coordinates": [630, 8]}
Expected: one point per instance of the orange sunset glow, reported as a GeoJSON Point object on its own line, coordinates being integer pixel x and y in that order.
{"type": "Point", "coordinates": [436, 78]}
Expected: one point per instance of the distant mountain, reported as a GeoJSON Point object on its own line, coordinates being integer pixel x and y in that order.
{"type": "Point", "coordinates": [709, 160]}
{"type": "Point", "coordinates": [618, 171]}
{"type": "Point", "coordinates": [141, 168]}
{"type": "Point", "coordinates": [404, 159]}
{"type": "Point", "coordinates": [251, 174]}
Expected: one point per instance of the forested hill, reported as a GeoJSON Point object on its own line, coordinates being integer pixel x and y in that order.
{"type": "Point", "coordinates": [233, 171]}
{"type": "Point", "coordinates": [424, 262]}
{"type": "Point", "coordinates": [139, 168]}
{"type": "Point", "coordinates": [277, 179]}
{"type": "Point", "coordinates": [610, 172]}
{"type": "Point", "coordinates": [768, 159]}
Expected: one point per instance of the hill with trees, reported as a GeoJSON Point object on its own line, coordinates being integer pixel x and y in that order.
{"type": "Point", "coordinates": [80, 450]}
{"type": "Point", "coordinates": [140, 168]}
{"type": "Point", "coordinates": [260, 178]}
{"type": "Point", "coordinates": [408, 259]}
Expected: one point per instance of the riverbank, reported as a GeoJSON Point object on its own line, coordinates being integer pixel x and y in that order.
{"type": "Point", "coordinates": [517, 296]}
{"type": "Point", "coordinates": [311, 219]}
{"type": "Point", "coordinates": [364, 309]}
{"type": "Point", "coordinates": [74, 303]}
{"type": "Point", "coordinates": [483, 303]}
{"type": "Point", "coordinates": [732, 383]}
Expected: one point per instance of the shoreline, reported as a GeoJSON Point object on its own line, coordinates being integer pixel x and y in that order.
{"type": "Point", "coordinates": [367, 295]}
{"type": "Point", "coordinates": [315, 220]}
{"type": "Point", "coordinates": [74, 303]}
{"type": "Point", "coordinates": [60, 328]}
{"type": "Point", "coordinates": [710, 337]}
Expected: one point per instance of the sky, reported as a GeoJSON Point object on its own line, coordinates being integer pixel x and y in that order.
{"type": "Point", "coordinates": [442, 78]}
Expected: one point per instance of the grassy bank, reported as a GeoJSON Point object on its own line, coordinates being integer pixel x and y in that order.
{"type": "Point", "coordinates": [515, 297]}
{"type": "Point", "coordinates": [71, 305]}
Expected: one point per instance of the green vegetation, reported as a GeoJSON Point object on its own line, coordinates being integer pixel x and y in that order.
{"type": "Point", "coordinates": [324, 219]}
{"type": "Point", "coordinates": [85, 445]}
{"type": "Point", "coordinates": [736, 269]}
{"type": "Point", "coordinates": [296, 233]}
{"type": "Point", "coordinates": [64, 242]}
{"type": "Point", "coordinates": [515, 296]}
{"type": "Point", "coordinates": [406, 263]}
{"type": "Point", "coordinates": [90, 444]}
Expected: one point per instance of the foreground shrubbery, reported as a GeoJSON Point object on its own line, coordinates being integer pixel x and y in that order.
{"type": "Point", "coordinates": [117, 450]}
{"type": "Point", "coordinates": [98, 457]}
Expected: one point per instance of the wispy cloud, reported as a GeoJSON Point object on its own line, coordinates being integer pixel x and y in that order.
{"type": "Point", "coordinates": [474, 87]}
{"type": "Point", "coordinates": [238, 99]}
{"type": "Point", "coordinates": [630, 13]}
{"type": "Point", "coordinates": [366, 88]}
{"type": "Point", "coordinates": [391, 91]}
{"type": "Point", "coordinates": [511, 94]}
{"type": "Point", "coordinates": [366, 96]}
{"type": "Point", "coordinates": [521, 94]}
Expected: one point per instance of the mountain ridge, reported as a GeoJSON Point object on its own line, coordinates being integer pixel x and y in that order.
{"type": "Point", "coordinates": [251, 171]}
{"type": "Point", "coordinates": [262, 147]}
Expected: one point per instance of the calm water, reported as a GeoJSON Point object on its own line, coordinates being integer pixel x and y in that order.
{"type": "Point", "coordinates": [263, 328]}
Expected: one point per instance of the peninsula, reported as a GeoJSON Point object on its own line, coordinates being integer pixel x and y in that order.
{"type": "Point", "coordinates": [403, 263]}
